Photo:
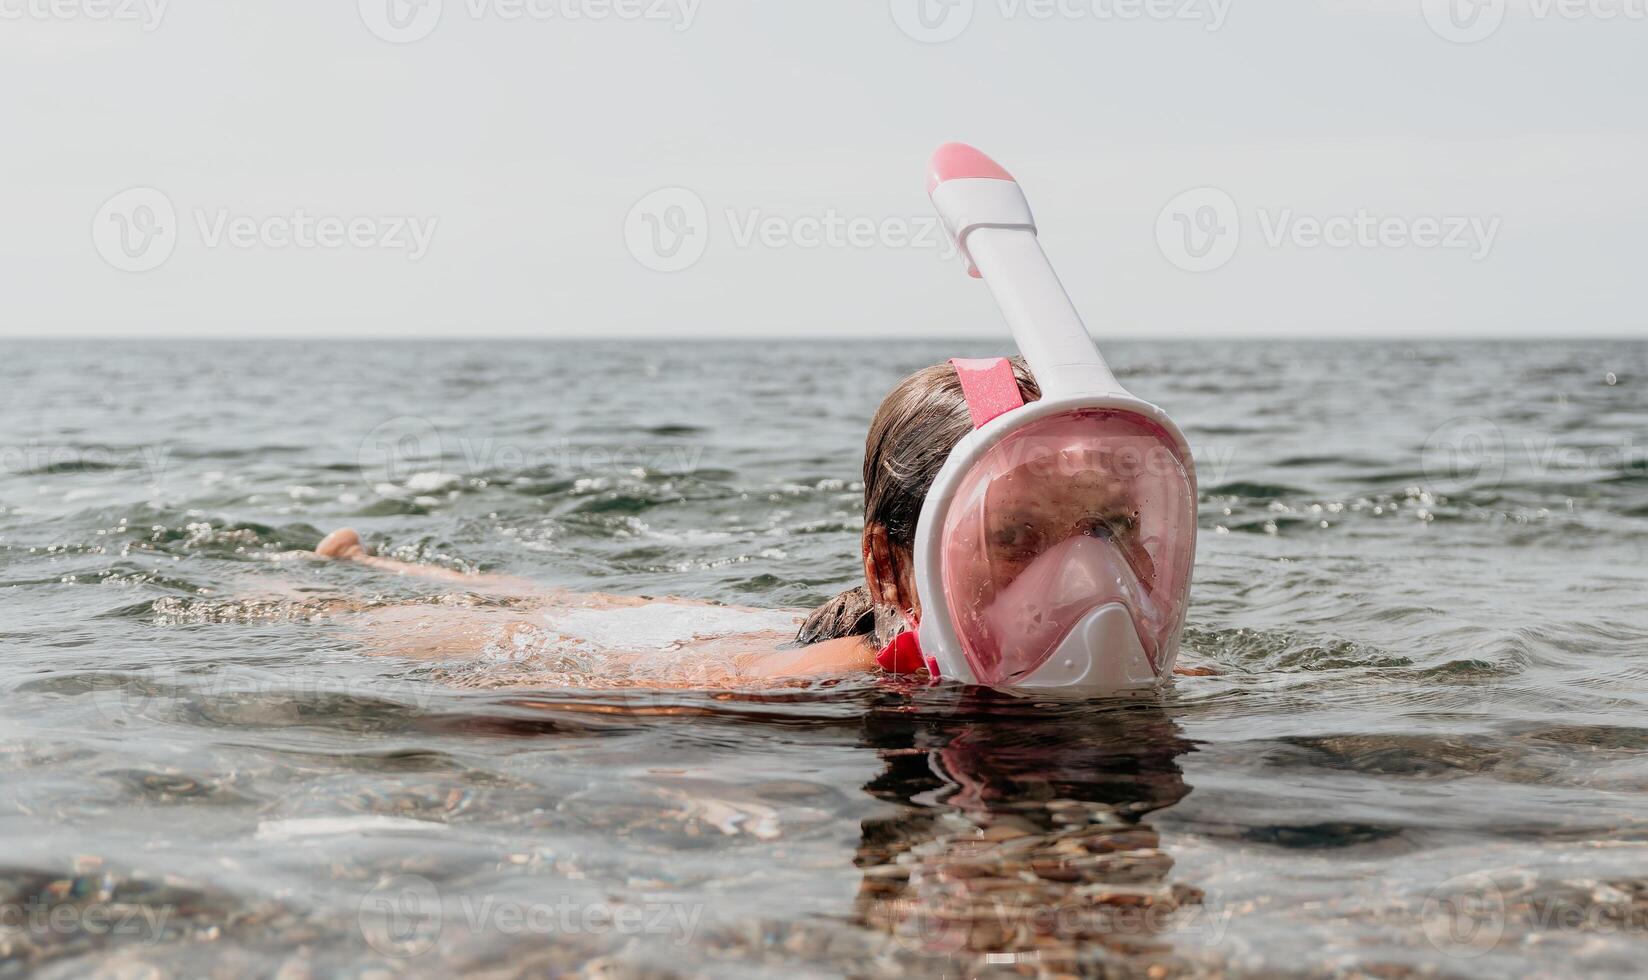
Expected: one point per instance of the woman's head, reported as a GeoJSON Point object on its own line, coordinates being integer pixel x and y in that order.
{"type": "Point", "coordinates": [913, 432]}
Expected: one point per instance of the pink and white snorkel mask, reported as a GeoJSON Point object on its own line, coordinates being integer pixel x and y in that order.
{"type": "Point", "coordinates": [1054, 550]}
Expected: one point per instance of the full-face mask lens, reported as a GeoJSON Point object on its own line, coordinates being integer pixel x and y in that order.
{"type": "Point", "coordinates": [1063, 517]}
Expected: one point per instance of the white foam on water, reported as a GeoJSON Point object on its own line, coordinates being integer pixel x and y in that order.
{"type": "Point", "coordinates": [663, 625]}
{"type": "Point", "coordinates": [661, 642]}
{"type": "Point", "coordinates": [278, 830]}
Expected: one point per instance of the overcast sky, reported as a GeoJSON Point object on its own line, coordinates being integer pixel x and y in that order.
{"type": "Point", "coordinates": [680, 168]}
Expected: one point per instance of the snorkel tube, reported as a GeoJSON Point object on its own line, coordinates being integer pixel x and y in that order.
{"type": "Point", "coordinates": [1090, 611]}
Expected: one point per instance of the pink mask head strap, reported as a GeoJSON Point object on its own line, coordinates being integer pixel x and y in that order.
{"type": "Point", "coordinates": [990, 386]}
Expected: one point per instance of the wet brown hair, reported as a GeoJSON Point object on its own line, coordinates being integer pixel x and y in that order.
{"type": "Point", "coordinates": [918, 424]}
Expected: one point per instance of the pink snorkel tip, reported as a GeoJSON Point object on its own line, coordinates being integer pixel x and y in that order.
{"type": "Point", "coordinates": [958, 161]}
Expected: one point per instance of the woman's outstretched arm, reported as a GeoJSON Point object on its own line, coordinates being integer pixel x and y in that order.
{"type": "Point", "coordinates": [848, 655]}
{"type": "Point", "coordinates": [345, 545]}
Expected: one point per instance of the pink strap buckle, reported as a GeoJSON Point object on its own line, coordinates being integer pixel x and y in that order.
{"type": "Point", "coordinates": [990, 387]}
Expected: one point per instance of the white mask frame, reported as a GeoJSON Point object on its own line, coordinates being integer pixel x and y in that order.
{"type": "Point", "coordinates": [989, 218]}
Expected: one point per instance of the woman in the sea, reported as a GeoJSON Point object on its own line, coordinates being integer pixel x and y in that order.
{"type": "Point", "coordinates": [510, 622]}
